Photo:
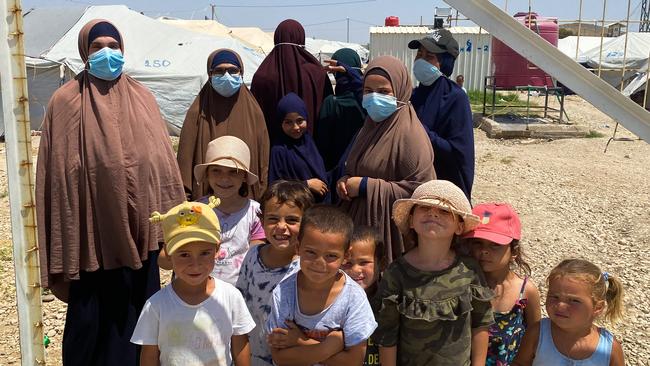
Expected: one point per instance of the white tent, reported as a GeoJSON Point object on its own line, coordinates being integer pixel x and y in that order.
{"type": "Point", "coordinates": [168, 60]}
{"type": "Point", "coordinates": [250, 36]}
{"type": "Point", "coordinates": [568, 46]}
{"type": "Point", "coordinates": [256, 38]}
{"type": "Point", "coordinates": [323, 49]}
{"type": "Point", "coordinates": [615, 59]}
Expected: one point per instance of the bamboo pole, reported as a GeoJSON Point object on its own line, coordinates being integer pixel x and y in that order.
{"type": "Point", "coordinates": [20, 176]}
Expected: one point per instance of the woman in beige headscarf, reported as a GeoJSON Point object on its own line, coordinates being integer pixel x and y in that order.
{"type": "Point", "coordinates": [391, 154]}
{"type": "Point", "coordinates": [105, 163]}
{"type": "Point", "coordinates": [223, 107]}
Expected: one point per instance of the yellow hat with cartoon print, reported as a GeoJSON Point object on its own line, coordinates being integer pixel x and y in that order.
{"type": "Point", "coordinates": [189, 222]}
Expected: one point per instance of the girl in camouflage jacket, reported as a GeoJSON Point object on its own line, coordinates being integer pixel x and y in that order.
{"type": "Point", "coordinates": [432, 305]}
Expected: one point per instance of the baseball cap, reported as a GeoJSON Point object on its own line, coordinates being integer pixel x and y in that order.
{"type": "Point", "coordinates": [189, 222]}
{"type": "Point", "coordinates": [439, 41]}
{"type": "Point", "coordinates": [499, 223]}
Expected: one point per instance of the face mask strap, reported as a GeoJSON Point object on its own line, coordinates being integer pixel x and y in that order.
{"type": "Point", "coordinates": [289, 44]}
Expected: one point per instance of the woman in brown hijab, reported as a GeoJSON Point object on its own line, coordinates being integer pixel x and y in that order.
{"type": "Point", "coordinates": [223, 107]}
{"type": "Point", "coordinates": [391, 155]}
{"type": "Point", "coordinates": [289, 67]}
{"type": "Point", "coordinates": [105, 163]}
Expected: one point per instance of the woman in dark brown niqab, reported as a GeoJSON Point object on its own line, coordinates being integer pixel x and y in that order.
{"type": "Point", "coordinates": [105, 163]}
{"type": "Point", "coordinates": [213, 115]}
{"type": "Point", "coordinates": [388, 159]}
{"type": "Point", "coordinates": [289, 68]}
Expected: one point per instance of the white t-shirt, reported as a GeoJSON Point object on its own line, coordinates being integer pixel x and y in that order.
{"type": "Point", "coordinates": [238, 229]}
{"type": "Point", "coordinates": [193, 335]}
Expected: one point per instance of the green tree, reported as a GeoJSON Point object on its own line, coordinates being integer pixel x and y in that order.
{"type": "Point", "coordinates": [565, 33]}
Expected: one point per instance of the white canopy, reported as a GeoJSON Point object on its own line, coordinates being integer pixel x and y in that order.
{"type": "Point", "coordinates": [569, 44]}
{"type": "Point", "coordinates": [616, 58]}
{"type": "Point", "coordinates": [250, 36]}
{"type": "Point", "coordinates": [263, 41]}
{"type": "Point", "coordinates": [323, 49]}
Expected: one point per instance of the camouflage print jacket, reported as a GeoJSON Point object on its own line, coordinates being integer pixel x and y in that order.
{"type": "Point", "coordinates": [429, 316]}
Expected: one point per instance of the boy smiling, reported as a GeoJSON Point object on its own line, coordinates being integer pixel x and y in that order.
{"type": "Point", "coordinates": [319, 314]}
{"type": "Point", "coordinates": [197, 319]}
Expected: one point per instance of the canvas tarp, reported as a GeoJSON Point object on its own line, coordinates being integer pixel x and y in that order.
{"type": "Point", "coordinates": [256, 38]}
{"type": "Point", "coordinates": [622, 62]}
{"type": "Point", "coordinates": [250, 36]}
{"type": "Point", "coordinates": [568, 46]}
{"type": "Point", "coordinates": [168, 60]}
{"type": "Point", "coordinates": [323, 49]}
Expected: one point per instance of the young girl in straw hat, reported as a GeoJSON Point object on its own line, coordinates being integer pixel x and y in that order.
{"type": "Point", "coordinates": [433, 306]}
{"type": "Point", "coordinates": [227, 173]}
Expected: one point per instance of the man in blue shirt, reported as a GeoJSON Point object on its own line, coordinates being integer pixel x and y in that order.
{"type": "Point", "coordinates": [444, 109]}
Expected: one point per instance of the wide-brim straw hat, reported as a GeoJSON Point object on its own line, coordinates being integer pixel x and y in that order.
{"type": "Point", "coordinates": [437, 193]}
{"type": "Point", "coordinates": [227, 151]}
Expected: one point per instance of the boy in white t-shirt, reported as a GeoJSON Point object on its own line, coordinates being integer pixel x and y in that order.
{"type": "Point", "coordinates": [196, 320]}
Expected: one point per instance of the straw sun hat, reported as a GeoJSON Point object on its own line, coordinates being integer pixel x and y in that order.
{"type": "Point", "coordinates": [437, 193]}
{"type": "Point", "coordinates": [228, 151]}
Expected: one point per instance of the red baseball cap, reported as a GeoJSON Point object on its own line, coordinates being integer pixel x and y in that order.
{"type": "Point", "coordinates": [499, 223]}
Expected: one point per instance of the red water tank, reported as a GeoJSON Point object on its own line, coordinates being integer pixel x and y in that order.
{"type": "Point", "coordinates": [509, 68]}
{"type": "Point", "coordinates": [391, 21]}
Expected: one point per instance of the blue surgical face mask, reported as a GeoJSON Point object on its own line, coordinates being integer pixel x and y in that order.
{"type": "Point", "coordinates": [226, 85]}
{"type": "Point", "coordinates": [425, 73]}
{"type": "Point", "coordinates": [379, 106]}
{"type": "Point", "coordinates": [106, 64]}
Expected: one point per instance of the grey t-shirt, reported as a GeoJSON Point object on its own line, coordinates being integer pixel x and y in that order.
{"type": "Point", "coordinates": [349, 312]}
{"type": "Point", "coordinates": [256, 282]}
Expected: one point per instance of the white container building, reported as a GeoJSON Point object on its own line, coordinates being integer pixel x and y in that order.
{"type": "Point", "coordinates": [474, 60]}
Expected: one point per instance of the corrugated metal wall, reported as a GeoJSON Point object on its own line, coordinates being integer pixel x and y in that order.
{"type": "Point", "coordinates": [474, 61]}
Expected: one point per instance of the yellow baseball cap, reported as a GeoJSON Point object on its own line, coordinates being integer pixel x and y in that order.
{"type": "Point", "coordinates": [189, 222]}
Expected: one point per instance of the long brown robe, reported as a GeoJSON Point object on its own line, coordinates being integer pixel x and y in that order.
{"type": "Point", "coordinates": [105, 163]}
{"type": "Point", "coordinates": [289, 67]}
{"type": "Point", "coordinates": [212, 115]}
{"type": "Point", "coordinates": [396, 156]}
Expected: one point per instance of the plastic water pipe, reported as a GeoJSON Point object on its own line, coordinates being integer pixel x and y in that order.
{"type": "Point", "coordinates": [20, 176]}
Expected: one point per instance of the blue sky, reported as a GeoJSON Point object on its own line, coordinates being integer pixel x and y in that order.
{"type": "Point", "coordinates": [329, 21]}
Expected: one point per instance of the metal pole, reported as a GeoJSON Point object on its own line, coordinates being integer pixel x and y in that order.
{"type": "Point", "coordinates": [627, 27]}
{"type": "Point", "coordinates": [547, 57]}
{"type": "Point", "coordinates": [20, 176]}
{"type": "Point", "coordinates": [602, 35]}
{"type": "Point", "coordinates": [647, 83]}
{"type": "Point", "coordinates": [579, 28]}
{"type": "Point", "coordinates": [644, 21]}
{"type": "Point", "coordinates": [212, 6]}
{"type": "Point", "coordinates": [348, 37]}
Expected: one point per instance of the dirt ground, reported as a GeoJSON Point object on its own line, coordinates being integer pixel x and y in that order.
{"type": "Point", "coordinates": [574, 201]}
